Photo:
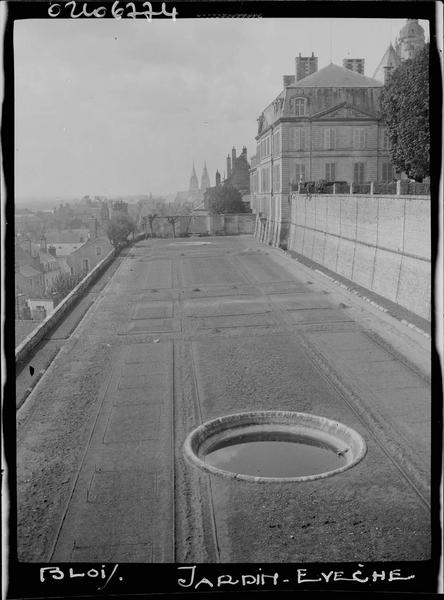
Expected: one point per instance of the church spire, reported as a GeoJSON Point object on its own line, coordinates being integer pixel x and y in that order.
{"type": "Point", "coordinates": [205, 179]}
{"type": "Point", "coordinates": [194, 183]}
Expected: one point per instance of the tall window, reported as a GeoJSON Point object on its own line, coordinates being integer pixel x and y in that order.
{"type": "Point", "coordinates": [359, 138]}
{"type": "Point", "coordinates": [329, 138]}
{"type": "Point", "coordinates": [298, 172]}
{"type": "Point", "coordinates": [387, 171]}
{"type": "Point", "coordinates": [299, 107]}
{"type": "Point", "coordinates": [276, 178]}
{"type": "Point", "coordinates": [297, 138]}
{"type": "Point", "coordinates": [358, 172]}
{"type": "Point", "coordinates": [276, 143]}
{"type": "Point", "coordinates": [265, 179]}
{"type": "Point", "coordinates": [85, 264]}
{"type": "Point", "coordinates": [330, 171]}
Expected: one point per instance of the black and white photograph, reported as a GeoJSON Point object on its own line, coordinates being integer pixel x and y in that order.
{"type": "Point", "coordinates": [223, 224]}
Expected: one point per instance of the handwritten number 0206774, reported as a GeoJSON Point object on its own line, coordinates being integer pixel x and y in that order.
{"type": "Point", "coordinates": [117, 11]}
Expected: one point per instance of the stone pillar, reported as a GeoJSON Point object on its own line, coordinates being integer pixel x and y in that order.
{"type": "Point", "coordinates": [372, 188]}
{"type": "Point", "coordinates": [398, 187]}
{"type": "Point", "coordinates": [351, 187]}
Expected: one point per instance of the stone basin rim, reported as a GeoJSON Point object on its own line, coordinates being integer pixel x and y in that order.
{"type": "Point", "coordinates": [315, 426]}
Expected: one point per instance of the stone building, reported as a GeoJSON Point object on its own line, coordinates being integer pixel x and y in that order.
{"type": "Point", "coordinates": [324, 127]}
{"type": "Point", "coordinates": [410, 41]}
{"type": "Point", "coordinates": [238, 171]}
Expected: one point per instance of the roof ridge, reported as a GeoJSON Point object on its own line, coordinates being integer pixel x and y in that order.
{"type": "Point", "coordinates": [345, 78]}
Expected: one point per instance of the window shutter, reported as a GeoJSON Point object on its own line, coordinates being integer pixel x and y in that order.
{"type": "Point", "coordinates": [297, 138]}
{"type": "Point", "coordinates": [327, 139]}
{"type": "Point", "coordinates": [302, 144]}
{"type": "Point", "coordinates": [332, 139]}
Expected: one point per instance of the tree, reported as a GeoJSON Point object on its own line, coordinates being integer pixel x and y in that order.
{"type": "Point", "coordinates": [151, 222]}
{"type": "Point", "coordinates": [119, 228]}
{"type": "Point", "coordinates": [405, 109]}
{"type": "Point", "coordinates": [62, 285]}
{"type": "Point", "coordinates": [172, 221]}
{"type": "Point", "coordinates": [224, 199]}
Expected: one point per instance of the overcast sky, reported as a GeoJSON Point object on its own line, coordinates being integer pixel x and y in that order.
{"type": "Point", "coordinates": [124, 107]}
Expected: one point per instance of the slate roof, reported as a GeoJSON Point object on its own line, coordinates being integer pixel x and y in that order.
{"type": "Point", "coordinates": [334, 76]}
{"type": "Point", "coordinates": [28, 271]}
{"type": "Point", "coordinates": [66, 236]}
{"type": "Point", "coordinates": [63, 249]}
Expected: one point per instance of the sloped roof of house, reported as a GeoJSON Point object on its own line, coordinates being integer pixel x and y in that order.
{"type": "Point", "coordinates": [46, 257]}
{"type": "Point", "coordinates": [66, 236]}
{"type": "Point", "coordinates": [64, 249]}
{"type": "Point", "coordinates": [334, 76]}
{"type": "Point", "coordinates": [28, 271]}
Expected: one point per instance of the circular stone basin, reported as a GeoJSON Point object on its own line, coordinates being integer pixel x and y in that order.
{"type": "Point", "coordinates": [269, 446]}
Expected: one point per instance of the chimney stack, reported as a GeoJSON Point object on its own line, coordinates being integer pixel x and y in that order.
{"type": "Point", "coordinates": [228, 166]}
{"type": "Point", "coordinates": [354, 64]}
{"type": "Point", "coordinates": [305, 65]}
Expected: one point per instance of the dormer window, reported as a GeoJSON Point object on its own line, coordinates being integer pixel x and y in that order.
{"type": "Point", "coordinates": [299, 106]}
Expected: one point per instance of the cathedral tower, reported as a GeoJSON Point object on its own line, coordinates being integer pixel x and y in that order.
{"type": "Point", "coordinates": [411, 40]}
{"type": "Point", "coordinates": [205, 179]}
{"type": "Point", "coordinates": [194, 183]}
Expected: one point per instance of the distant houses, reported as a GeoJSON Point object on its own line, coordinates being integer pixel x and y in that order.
{"type": "Point", "coordinates": [39, 266]}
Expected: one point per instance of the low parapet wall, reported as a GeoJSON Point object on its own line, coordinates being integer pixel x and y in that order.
{"type": "Point", "coordinates": [379, 242]}
{"type": "Point", "coordinates": [204, 224]}
{"type": "Point", "coordinates": [30, 342]}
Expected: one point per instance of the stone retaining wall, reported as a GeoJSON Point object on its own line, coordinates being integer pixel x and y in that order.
{"type": "Point", "coordinates": [380, 242]}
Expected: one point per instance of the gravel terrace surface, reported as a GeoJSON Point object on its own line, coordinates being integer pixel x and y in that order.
{"type": "Point", "coordinates": [189, 330]}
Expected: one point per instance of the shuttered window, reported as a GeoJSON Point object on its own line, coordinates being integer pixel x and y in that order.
{"type": "Point", "coordinates": [358, 172]}
{"type": "Point", "coordinates": [330, 171]}
{"type": "Point", "coordinates": [298, 172]}
{"type": "Point", "coordinates": [276, 178]}
{"type": "Point", "coordinates": [359, 138]}
{"type": "Point", "coordinates": [387, 171]}
{"type": "Point", "coordinates": [329, 138]}
{"type": "Point", "coordinates": [276, 143]}
{"type": "Point", "coordinates": [265, 179]}
{"type": "Point", "coordinates": [297, 138]}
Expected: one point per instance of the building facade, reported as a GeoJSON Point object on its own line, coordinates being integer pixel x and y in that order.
{"type": "Point", "coordinates": [324, 127]}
